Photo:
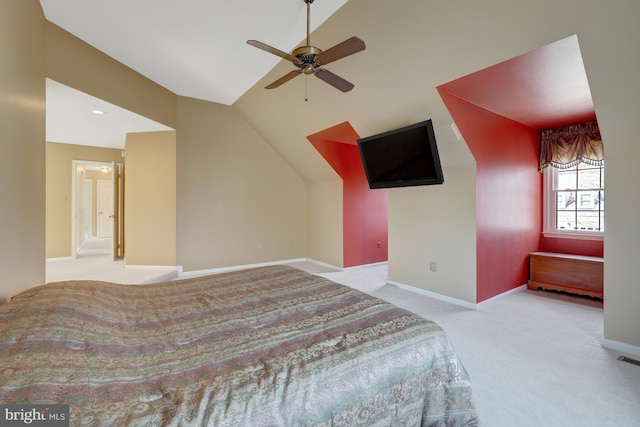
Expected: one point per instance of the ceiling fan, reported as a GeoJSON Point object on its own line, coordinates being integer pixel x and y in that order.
{"type": "Point", "coordinates": [309, 59]}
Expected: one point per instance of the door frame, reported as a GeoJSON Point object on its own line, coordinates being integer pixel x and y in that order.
{"type": "Point", "coordinates": [74, 199]}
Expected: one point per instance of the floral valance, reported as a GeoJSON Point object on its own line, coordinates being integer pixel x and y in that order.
{"type": "Point", "coordinates": [566, 147]}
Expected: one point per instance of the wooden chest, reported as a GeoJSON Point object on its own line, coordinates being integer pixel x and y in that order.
{"type": "Point", "coordinates": [582, 275]}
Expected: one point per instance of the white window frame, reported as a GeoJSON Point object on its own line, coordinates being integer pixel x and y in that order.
{"type": "Point", "coordinates": [549, 215]}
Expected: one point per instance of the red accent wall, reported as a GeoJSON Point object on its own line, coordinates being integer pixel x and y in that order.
{"type": "Point", "coordinates": [365, 211]}
{"type": "Point", "coordinates": [508, 194]}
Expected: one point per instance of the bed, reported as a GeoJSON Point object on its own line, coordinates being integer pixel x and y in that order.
{"type": "Point", "coordinates": [267, 346]}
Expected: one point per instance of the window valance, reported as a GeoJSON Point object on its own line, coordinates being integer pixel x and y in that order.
{"type": "Point", "coordinates": [566, 147]}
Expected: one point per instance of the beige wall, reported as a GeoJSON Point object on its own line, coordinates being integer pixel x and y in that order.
{"type": "Point", "coordinates": [436, 223]}
{"type": "Point", "coordinates": [238, 201]}
{"type": "Point", "coordinates": [22, 157]}
{"type": "Point", "coordinates": [150, 199]}
{"type": "Point", "coordinates": [613, 78]}
{"type": "Point", "coordinates": [59, 159]}
{"type": "Point", "coordinates": [325, 232]}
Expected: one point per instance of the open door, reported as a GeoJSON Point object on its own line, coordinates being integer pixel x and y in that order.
{"type": "Point", "coordinates": [104, 207]}
{"type": "Point", "coordinates": [117, 250]}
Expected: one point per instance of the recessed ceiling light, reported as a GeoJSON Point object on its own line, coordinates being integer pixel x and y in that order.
{"type": "Point", "coordinates": [98, 112]}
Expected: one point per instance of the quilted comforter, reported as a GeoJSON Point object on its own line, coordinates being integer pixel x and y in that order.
{"type": "Point", "coordinates": [270, 346]}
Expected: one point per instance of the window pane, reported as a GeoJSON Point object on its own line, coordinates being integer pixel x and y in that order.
{"type": "Point", "coordinates": [566, 220]}
{"type": "Point", "coordinates": [587, 199]}
{"type": "Point", "coordinates": [565, 200]}
{"type": "Point", "coordinates": [566, 179]}
{"type": "Point", "coordinates": [589, 220]}
{"type": "Point", "coordinates": [589, 178]}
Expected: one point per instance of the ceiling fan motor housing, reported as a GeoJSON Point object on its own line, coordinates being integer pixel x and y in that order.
{"type": "Point", "coordinates": [307, 58]}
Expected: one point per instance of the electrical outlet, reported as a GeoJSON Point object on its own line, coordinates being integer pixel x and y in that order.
{"type": "Point", "coordinates": [432, 266]}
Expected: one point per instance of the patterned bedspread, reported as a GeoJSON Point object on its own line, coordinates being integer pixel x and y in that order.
{"type": "Point", "coordinates": [270, 346]}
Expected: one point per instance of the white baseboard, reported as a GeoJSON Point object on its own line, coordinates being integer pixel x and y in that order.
{"type": "Point", "coordinates": [337, 268]}
{"type": "Point", "coordinates": [374, 264]}
{"type": "Point", "coordinates": [456, 301]}
{"type": "Point", "coordinates": [324, 264]}
{"type": "Point", "coordinates": [621, 347]}
{"type": "Point", "coordinates": [434, 295]}
{"type": "Point", "coordinates": [154, 267]}
{"type": "Point", "coordinates": [62, 258]}
{"type": "Point", "coordinates": [235, 267]}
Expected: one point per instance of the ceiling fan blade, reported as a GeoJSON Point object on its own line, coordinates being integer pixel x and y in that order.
{"type": "Point", "coordinates": [346, 48]}
{"type": "Point", "coordinates": [334, 80]}
{"type": "Point", "coordinates": [284, 79]}
{"type": "Point", "coordinates": [273, 50]}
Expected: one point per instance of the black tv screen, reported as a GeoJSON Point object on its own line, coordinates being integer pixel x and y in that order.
{"type": "Point", "coordinates": [402, 157]}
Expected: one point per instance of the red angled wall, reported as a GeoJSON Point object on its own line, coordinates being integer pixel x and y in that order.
{"type": "Point", "coordinates": [365, 217]}
{"type": "Point", "coordinates": [508, 195]}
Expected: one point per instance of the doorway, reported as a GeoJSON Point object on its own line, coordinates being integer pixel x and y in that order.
{"type": "Point", "coordinates": [97, 205]}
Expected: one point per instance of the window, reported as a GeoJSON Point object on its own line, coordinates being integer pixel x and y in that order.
{"type": "Point", "coordinates": [574, 202]}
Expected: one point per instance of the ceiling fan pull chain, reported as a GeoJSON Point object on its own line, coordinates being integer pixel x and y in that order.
{"type": "Point", "coordinates": [306, 90]}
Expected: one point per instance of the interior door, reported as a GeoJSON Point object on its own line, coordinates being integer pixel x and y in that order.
{"type": "Point", "coordinates": [117, 250]}
{"type": "Point", "coordinates": [104, 208]}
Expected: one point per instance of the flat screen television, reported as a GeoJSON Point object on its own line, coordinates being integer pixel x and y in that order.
{"type": "Point", "coordinates": [402, 157]}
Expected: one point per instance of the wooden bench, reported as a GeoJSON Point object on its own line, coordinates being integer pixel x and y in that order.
{"type": "Point", "coordinates": [575, 274]}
